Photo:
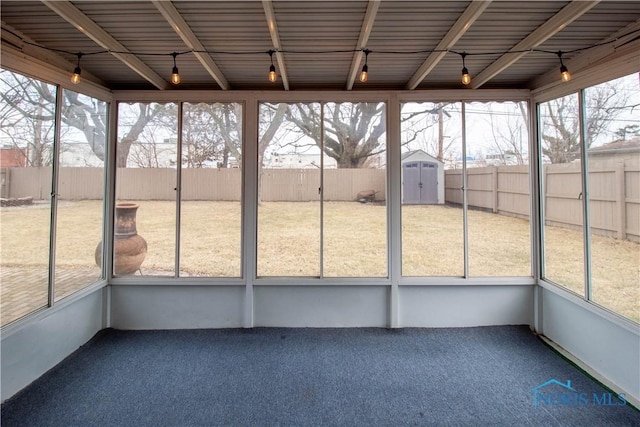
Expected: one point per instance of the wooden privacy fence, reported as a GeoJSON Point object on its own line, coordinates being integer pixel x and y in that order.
{"type": "Point", "coordinates": [614, 194]}
{"type": "Point", "coordinates": [4, 182]}
{"type": "Point", "coordinates": [77, 183]}
{"type": "Point", "coordinates": [293, 185]}
{"type": "Point", "coordinates": [499, 189]}
{"type": "Point", "coordinates": [614, 189]}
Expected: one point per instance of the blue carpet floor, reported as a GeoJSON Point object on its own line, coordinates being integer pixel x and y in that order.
{"type": "Point", "coordinates": [482, 376]}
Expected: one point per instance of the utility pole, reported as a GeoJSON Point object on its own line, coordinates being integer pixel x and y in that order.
{"type": "Point", "coordinates": [440, 133]}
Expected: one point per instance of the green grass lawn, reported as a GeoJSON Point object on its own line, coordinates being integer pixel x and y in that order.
{"type": "Point", "coordinates": [355, 244]}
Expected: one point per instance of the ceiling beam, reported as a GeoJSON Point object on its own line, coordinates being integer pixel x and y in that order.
{"type": "Point", "coordinates": [622, 61]}
{"type": "Point", "coordinates": [553, 25]}
{"type": "Point", "coordinates": [462, 25]}
{"type": "Point", "coordinates": [179, 25]}
{"type": "Point", "coordinates": [16, 39]}
{"type": "Point", "coordinates": [365, 32]}
{"type": "Point", "coordinates": [589, 58]}
{"type": "Point", "coordinates": [275, 39]}
{"type": "Point", "coordinates": [96, 33]}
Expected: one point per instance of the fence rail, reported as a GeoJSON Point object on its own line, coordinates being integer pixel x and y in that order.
{"type": "Point", "coordinates": [499, 189]}
{"type": "Point", "coordinates": [77, 183]}
{"type": "Point", "coordinates": [614, 189]}
{"type": "Point", "coordinates": [614, 194]}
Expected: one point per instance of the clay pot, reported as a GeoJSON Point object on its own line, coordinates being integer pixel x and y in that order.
{"type": "Point", "coordinates": [129, 248]}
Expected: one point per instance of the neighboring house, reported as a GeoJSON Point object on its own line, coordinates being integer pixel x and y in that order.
{"type": "Point", "coordinates": [298, 161]}
{"type": "Point", "coordinates": [501, 159]}
{"type": "Point", "coordinates": [627, 151]}
{"type": "Point", "coordinates": [471, 162]}
{"type": "Point", "coordinates": [12, 158]}
{"type": "Point", "coordinates": [78, 154]}
{"type": "Point", "coordinates": [422, 179]}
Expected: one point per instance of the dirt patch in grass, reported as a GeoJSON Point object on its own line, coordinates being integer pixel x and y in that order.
{"type": "Point", "coordinates": [355, 244]}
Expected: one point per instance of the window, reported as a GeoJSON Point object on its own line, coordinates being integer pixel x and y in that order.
{"type": "Point", "coordinates": [145, 216]}
{"type": "Point", "coordinates": [354, 198]}
{"type": "Point", "coordinates": [562, 193]}
{"type": "Point", "coordinates": [434, 165]}
{"type": "Point", "coordinates": [322, 210]}
{"type": "Point", "coordinates": [83, 138]}
{"type": "Point", "coordinates": [613, 154]}
{"type": "Point", "coordinates": [27, 131]}
{"type": "Point", "coordinates": [598, 257]}
{"type": "Point", "coordinates": [288, 192]}
{"type": "Point", "coordinates": [211, 183]}
{"type": "Point", "coordinates": [432, 214]}
{"type": "Point", "coordinates": [498, 189]}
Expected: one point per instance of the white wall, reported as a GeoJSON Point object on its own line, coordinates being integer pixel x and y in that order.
{"type": "Point", "coordinates": [321, 306]}
{"type": "Point", "coordinates": [176, 306]}
{"type": "Point", "coordinates": [465, 306]}
{"type": "Point", "coordinates": [308, 305]}
{"type": "Point", "coordinates": [608, 345]}
{"type": "Point", "coordinates": [33, 346]}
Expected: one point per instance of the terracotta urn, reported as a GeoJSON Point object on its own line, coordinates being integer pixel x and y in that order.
{"type": "Point", "coordinates": [129, 248]}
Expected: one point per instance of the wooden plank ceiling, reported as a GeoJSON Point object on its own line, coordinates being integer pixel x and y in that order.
{"type": "Point", "coordinates": [224, 45]}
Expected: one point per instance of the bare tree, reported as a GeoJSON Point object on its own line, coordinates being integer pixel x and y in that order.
{"type": "Point", "coordinates": [560, 130]}
{"type": "Point", "coordinates": [26, 117]}
{"type": "Point", "coordinates": [88, 115]}
{"type": "Point", "coordinates": [136, 121]}
{"type": "Point", "coordinates": [627, 132]}
{"type": "Point", "coordinates": [156, 148]}
{"type": "Point", "coordinates": [212, 133]}
{"type": "Point", "coordinates": [229, 122]}
{"type": "Point", "coordinates": [26, 101]}
{"type": "Point", "coordinates": [508, 131]}
{"type": "Point", "coordinates": [145, 155]}
{"type": "Point", "coordinates": [352, 130]}
{"type": "Point", "coordinates": [272, 117]}
{"type": "Point", "coordinates": [417, 128]}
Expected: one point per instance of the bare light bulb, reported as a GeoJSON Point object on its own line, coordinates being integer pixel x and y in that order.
{"type": "Point", "coordinates": [175, 76]}
{"type": "Point", "coordinates": [75, 77]}
{"type": "Point", "coordinates": [466, 77]}
{"type": "Point", "coordinates": [564, 73]}
{"type": "Point", "coordinates": [272, 74]}
{"type": "Point", "coordinates": [364, 74]}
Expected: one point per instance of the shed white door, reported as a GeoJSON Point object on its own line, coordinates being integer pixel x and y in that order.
{"type": "Point", "coordinates": [429, 183]}
{"type": "Point", "coordinates": [420, 183]}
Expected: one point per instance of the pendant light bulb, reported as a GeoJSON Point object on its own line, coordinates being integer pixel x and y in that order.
{"type": "Point", "coordinates": [466, 77]}
{"type": "Point", "coordinates": [273, 76]}
{"type": "Point", "coordinates": [175, 75]}
{"type": "Point", "coordinates": [564, 71]}
{"type": "Point", "coordinates": [364, 74]}
{"type": "Point", "coordinates": [75, 77]}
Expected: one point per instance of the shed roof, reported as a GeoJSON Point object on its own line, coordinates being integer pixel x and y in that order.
{"type": "Point", "coordinates": [407, 156]}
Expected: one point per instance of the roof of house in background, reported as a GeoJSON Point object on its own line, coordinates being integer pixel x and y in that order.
{"type": "Point", "coordinates": [617, 147]}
